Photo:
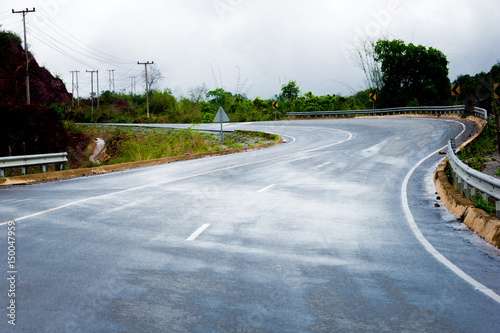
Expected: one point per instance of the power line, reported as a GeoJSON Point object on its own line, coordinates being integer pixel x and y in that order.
{"type": "Point", "coordinates": [104, 55]}
{"type": "Point", "coordinates": [63, 48]}
{"type": "Point", "coordinates": [58, 39]}
{"type": "Point", "coordinates": [59, 50]}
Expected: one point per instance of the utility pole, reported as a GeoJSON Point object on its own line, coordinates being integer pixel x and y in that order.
{"type": "Point", "coordinates": [111, 74]}
{"type": "Point", "coordinates": [147, 88]}
{"type": "Point", "coordinates": [24, 12]}
{"type": "Point", "coordinates": [92, 90]}
{"type": "Point", "coordinates": [73, 86]}
{"type": "Point", "coordinates": [132, 85]}
{"type": "Point", "coordinates": [97, 72]}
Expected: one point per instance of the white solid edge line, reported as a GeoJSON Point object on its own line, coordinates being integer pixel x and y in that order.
{"type": "Point", "coordinates": [428, 246]}
{"type": "Point", "coordinates": [182, 178]}
{"type": "Point", "coordinates": [197, 232]}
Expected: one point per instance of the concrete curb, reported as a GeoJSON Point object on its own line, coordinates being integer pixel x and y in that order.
{"type": "Point", "coordinates": [26, 179]}
{"type": "Point", "coordinates": [485, 225]}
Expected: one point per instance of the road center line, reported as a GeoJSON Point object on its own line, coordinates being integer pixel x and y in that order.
{"type": "Point", "coordinates": [427, 245]}
{"type": "Point", "coordinates": [266, 188]}
{"type": "Point", "coordinates": [197, 232]}
{"type": "Point", "coordinates": [349, 137]}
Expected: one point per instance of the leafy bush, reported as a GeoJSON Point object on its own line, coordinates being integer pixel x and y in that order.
{"type": "Point", "coordinates": [31, 130]}
{"type": "Point", "coordinates": [9, 37]}
{"type": "Point", "coordinates": [480, 203]}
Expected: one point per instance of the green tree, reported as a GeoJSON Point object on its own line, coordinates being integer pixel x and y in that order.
{"type": "Point", "coordinates": [9, 37]}
{"type": "Point", "coordinates": [220, 97]}
{"type": "Point", "coordinates": [412, 74]}
{"type": "Point", "coordinates": [290, 91]}
{"type": "Point", "coordinates": [162, 102]}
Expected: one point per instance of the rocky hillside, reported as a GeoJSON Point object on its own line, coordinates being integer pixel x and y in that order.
{"type": "Point", "coordinates": [44, 88]}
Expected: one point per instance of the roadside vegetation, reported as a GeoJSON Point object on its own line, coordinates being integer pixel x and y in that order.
{"type": "Point", "coordinates": [122, 144]}
{"type": "Point", "coordinates": [129, 144]}
{"type": "Point", "coordinates": [483, 155]}
{"type": "Point", "coordinates": [476, 154]}
{"type": "Point", "coordinates": [477, 90]}
{"type": "Point", "coordinates": [164, 107]}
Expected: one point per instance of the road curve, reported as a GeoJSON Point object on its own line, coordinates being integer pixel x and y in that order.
{"type": "Point", "coordinates": [313, 235]}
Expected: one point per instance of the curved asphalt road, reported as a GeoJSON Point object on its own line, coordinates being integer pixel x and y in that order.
{"type": "Point", "coordinates": [309, 236]}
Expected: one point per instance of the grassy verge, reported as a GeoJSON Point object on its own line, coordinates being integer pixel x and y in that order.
{"type": "Point", "coordinates": [130, 144]}
{"type": "Point", "coordinates": [476, 153]}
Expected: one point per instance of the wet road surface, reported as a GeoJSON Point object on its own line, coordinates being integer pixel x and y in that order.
{"type": "Point", "coordinates": [308, 236]}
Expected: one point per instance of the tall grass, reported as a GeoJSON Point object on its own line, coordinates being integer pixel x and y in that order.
{"type": "Point", "coordinates": [140, 145]}
{"type": "Point", "coordinates": [129, 144]}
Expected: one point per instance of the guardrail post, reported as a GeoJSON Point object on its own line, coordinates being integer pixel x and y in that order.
{"type": "Point", "coordinates": [466, 190]}
{"type": "Point", "coordinates": [453, 144]}
{"type": "Point", "coordinates": [23, 170]}
{"type": "Point", "coordinates": [2, 174]}
{"type": "Point", "coordinates": [44, 168]}
{"type": "Point", "coordinates": [497, 206]}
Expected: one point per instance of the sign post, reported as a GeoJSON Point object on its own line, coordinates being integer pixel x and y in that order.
{"type": "Point", "coordinates": [275, 107]}
{"type": "Point", "coordinates": [455, 91]}
{"type": "Point", "coordinates": [221, 117]}
{"type": "Point", "coordinates": [373, 98]}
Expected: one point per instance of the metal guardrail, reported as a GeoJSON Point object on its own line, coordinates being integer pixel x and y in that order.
{"type": "Point", "coordinates": [27, 160]}
{"type": "Point", "coordinates": [455, 109]}
{"type": "Point", "coordinates": [469, 181]}
{"type": "Point", "coordinates": [481, 113]}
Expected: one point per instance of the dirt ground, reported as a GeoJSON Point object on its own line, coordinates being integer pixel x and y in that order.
{"type": "Point", "coordinates": [493, 165]}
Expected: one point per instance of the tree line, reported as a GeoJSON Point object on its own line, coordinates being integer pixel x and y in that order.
{"type": "Point", "coordinates": [201, 106]}
{"type": "Point", "coordinates": [399, 74]}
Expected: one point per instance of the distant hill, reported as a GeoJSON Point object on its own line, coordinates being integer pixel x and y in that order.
{"type": "Point", "coordinates": [44, 87]}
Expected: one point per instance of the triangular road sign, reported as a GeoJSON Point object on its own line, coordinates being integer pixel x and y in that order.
{"type": "Point", "coordinates": [221, 116]}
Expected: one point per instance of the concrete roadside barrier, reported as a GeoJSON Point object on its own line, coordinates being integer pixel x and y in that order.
{"type": "Point", "coordinates": [485, 225]}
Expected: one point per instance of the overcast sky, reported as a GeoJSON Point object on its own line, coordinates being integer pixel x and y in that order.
{"type": "Point", "coordinates": [246, 46]}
